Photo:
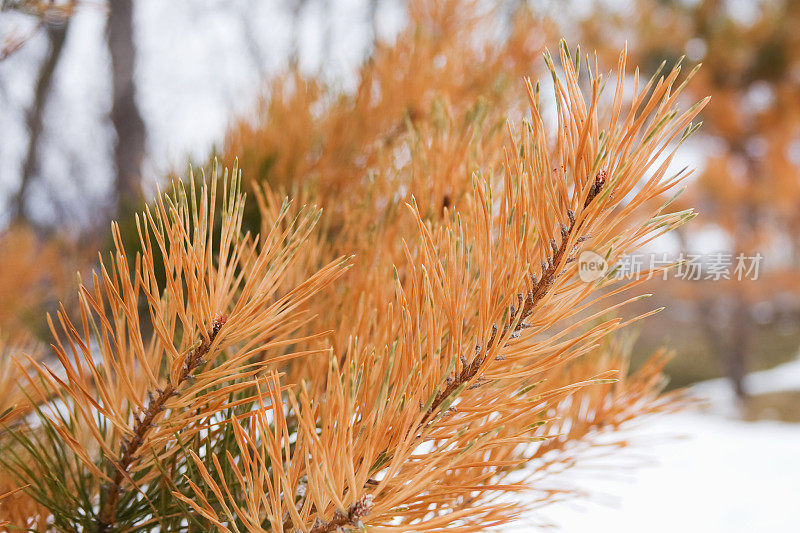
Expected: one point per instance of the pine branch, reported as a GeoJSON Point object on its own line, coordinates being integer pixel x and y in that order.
{"type": "Point", "coordinates": [355, 513]}
{"type": "Point", "coordinates": [143, 425]}
{"type": "Point", "coordinates": [226, 447]}
{"type": "Point", "coordinates": [470, 369]}
{"type": "Point", "coordinates": [527, 303]}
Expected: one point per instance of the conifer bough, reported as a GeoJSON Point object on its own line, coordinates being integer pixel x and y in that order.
{"type": "Point", "coordinates": [144, 422]}
{"type": "Point", "coordinates": [287, 381]}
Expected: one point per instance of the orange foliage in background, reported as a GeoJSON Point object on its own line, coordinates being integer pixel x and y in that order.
{"type": "Point", "coordinates": [749, 186]}
{"type": "Point", "coordinates": [31, 275]}
{"type": "Point", "coordinates": [441, 75]}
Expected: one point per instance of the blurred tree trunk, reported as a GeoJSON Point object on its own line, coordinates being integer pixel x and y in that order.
{"type": "Point", "coordinates": [129, 149]}
{"type": "Point", "coordinates": [740, 345]}
{"type": "Point", "coordinates": [327, 32]}
{"type": "Point", "coordinates": [728, 336]}
{"type": "Point", "coordinates": [373, 21]}
{"type": "Point", "coordinates": [729, 339]}
{"type": "Point", "coordinates": [56, 32]}
{"type": "Point", "coordinates": [296, 9]}
{"type": "Point", "coordinates": [250, 28]}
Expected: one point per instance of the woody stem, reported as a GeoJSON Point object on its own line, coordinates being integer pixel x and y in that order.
{"type": "Point", "coordinates": [141, 428]}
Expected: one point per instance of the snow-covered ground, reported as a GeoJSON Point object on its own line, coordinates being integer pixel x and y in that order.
{"type": "Point", "coordinates": [706, 471]}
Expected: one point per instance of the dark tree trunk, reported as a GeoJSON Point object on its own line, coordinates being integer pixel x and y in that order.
{"type": "Point", "coordinates": [740, 344]}
{"type": "Point", "coordinates": [57, 36]}
{"type": "Point", "coordinates": [729, 342]}
{"type": "Point", "coordinates": [128, 124]}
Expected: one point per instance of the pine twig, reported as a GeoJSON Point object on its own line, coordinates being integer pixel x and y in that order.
{"type": "Point", "coordinates": [358, 510]}
{"type": "Point", "coordinates": [528, 303]}
{"type": "Point", "coordinates": [145, 423]}
{"type": "Point", "coordinates": [470, 369]}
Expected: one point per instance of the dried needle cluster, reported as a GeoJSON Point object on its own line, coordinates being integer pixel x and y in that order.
{"type": "Point", "coordinates": [426, 349]}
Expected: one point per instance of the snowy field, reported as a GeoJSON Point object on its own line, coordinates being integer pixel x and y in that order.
{"type": "Point", "coordinates": [704, 471]}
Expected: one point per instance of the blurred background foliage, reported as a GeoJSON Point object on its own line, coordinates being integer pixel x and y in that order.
{"type": "Point", "coordinates": [103, 102]}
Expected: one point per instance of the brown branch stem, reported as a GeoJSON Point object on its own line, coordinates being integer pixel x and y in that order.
{"type": "Point", "coordinates": [352, 517]}
{"type": "Point", "coordinates": [528, 302]}
{"type": "Point", "coordinates": [470, 369]}
{"type": "Point", "coordinates": [142, 427]}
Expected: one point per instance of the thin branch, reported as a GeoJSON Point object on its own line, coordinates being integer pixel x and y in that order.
{"type": "Point", "coordinates": [13, 43]}
{"type": "Point", "coordinates": [469, 370]}
{"type": "Point", "coordinates": [145, 423]}
{"type": "Point", "coordinates": [528, 303]}
{"type": "Point", "coordinates": [358, 510]}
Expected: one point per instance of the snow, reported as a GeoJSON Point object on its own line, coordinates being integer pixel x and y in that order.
{"type": "Point", "coordinates": [722, 476]}
{"type": "Point", "coordinates": [785, 377]}
{"type": "Point", "coordinates": [708, 472]}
